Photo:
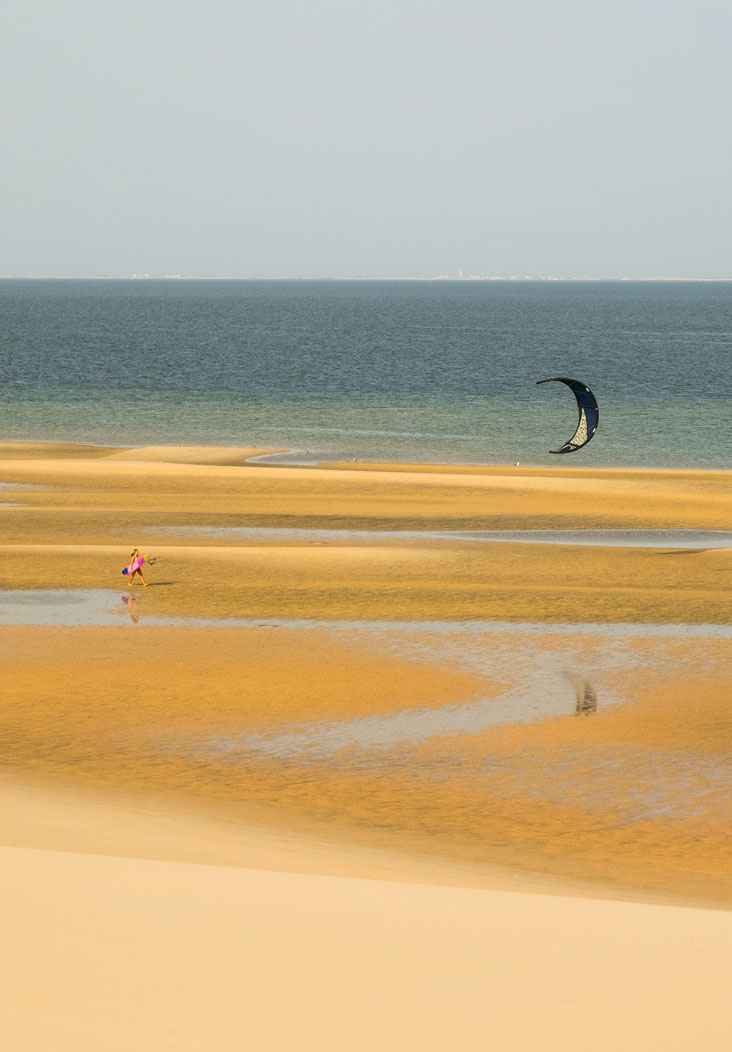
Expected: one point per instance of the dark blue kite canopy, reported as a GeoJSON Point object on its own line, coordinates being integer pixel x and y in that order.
{"type": "Point", "coordinates": [589, 413]}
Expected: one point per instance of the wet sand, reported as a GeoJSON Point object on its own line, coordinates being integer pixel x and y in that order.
{"type": "Point", "coordinates": [222, 685]}
{"type": "Point", "coordinates": [472, 747]}
{"type": "Point", "coordinates": [429, 711]}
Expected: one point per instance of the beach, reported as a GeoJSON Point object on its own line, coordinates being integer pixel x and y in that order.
{"type": "Point", "coordinates": [162, 955]}
{"type": "Point", "coordinates": [363, 733]}
{"type": "Point", "coordinates": [366, 528]}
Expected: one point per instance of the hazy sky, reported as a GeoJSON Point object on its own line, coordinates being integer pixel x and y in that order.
{"type": "Point", "coordinates": [366, 137]}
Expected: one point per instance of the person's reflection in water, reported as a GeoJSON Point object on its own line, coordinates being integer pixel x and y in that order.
{"type": "Point", "coordinates": [586, 700]}
{"type": "Point", "coordinates": [131, 604]}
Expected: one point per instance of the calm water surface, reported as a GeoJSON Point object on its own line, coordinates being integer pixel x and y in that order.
{"type": "Point", "coordinates": [400, 370]}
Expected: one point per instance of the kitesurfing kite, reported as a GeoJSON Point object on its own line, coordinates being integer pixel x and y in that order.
{"type": "Point", "coordinates": [589, 413]}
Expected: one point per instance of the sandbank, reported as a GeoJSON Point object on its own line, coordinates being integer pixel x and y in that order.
{"type": "Point", "coordinates": [212, 455]}
{"type": "Point", "coordinates": [97, 506]}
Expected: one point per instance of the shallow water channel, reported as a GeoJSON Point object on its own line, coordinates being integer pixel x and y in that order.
{"type": "Point", "coordinates": [575, 669]}
{"type": "Point", "coordinates": [692, 540]}
{"type": "Point", "coordinates": [533, 673]}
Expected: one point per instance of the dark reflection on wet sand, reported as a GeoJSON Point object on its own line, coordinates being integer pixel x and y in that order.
{"type": "Point", "coordinates": [586, 700]}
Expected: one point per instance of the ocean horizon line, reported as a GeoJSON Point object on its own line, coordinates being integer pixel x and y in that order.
{"type": "Point", "coordinates": [442, 278]}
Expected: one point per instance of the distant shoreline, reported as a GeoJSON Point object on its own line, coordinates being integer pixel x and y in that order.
{"type": "Point", "coordinates": [533, 279]}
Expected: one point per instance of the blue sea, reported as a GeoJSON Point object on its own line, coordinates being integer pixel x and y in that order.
{"type": "Point", "coordinates": [415, 371]}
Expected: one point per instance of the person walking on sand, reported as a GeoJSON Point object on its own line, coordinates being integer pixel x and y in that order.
{"type": "Point", "coordinates": [137, 561]}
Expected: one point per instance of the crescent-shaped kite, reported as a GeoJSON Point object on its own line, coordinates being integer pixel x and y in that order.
{"type": "Point", "coordinates": [589, 413]}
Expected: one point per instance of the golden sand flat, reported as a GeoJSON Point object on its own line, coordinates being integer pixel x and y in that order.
{"type": "Point", "coordinates": [630, 795]}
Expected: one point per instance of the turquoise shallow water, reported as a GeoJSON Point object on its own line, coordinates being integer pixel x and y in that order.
{"type": "Point", "coordinates": [398, 370]}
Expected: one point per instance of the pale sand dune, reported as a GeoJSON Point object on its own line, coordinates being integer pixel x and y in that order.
{"type": "Point", "coordinates": [107, 955]}
{"type": "Point", "coordinates": [46, 815]}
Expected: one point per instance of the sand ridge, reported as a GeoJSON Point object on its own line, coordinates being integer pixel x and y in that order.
{"type": "Point", "coordinates": [643, 498]}
{"type": "Point", "coordinates": [207, 455]}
